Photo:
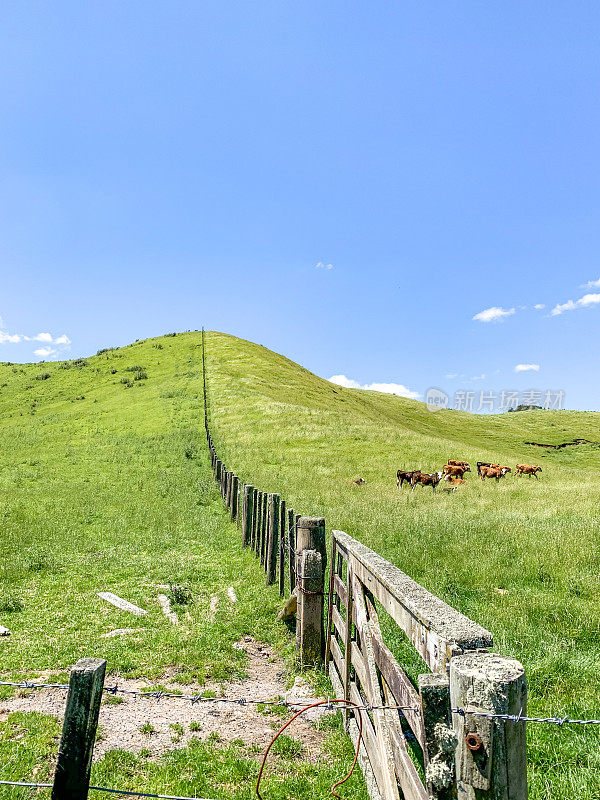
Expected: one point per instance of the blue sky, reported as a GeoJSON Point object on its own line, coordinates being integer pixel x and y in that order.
{"type": "Point", "coordinates": [169, 165]}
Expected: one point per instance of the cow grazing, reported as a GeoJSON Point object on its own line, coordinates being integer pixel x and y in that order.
{"type": "Point", "coordinates": [493, 472]}
{"type": "Point", "coordinates": [426, 480]}
{"type": "Point", "coordinates": [452, 463]}
{"type": "Point", "coordinates": [527, 469]}
{"type": "Point", "coordinates": [358, 482]}
{"type": "Point", "coordinates": [455, 471]}
{"type": "Point", "coordinates": [405, 475]}
{"type": "Point", "coordinates": [481, 464]}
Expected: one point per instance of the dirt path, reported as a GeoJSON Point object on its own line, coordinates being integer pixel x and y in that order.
{"type": "Point", "coordinates": [160, 725]}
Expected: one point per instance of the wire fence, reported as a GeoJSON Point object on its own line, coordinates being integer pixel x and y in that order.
{"type": "Point", "coordinates": [328, 705]}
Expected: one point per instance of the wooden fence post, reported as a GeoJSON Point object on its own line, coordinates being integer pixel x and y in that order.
{"type": "Point", "coordinates": [254, 518]}
{"type": "Point", "coordinates": [491, 759]}
{"type": "Point", "coordinates": [292, 548]}
{"type": "Point", "coordinates": [72, 775]}
{"type": "Point", "coordinates": [273, 537]}
{"type": "Point", "coordinates": [438, 752]}
{"type": "Point", "coordinates": [247, 514]}
{"type": "Point", "coordinates": [218, 466]}
{"type": "Point", "coordinates": [309, 619]}
{"type": "Point", "coordinates": [310, 535]}
{"type": "Point", "coordinates": [235, 483]}
{"type": "Point", "coordinates": [263, 531]}
{"type": "Point", "coordinates": [282, 543]}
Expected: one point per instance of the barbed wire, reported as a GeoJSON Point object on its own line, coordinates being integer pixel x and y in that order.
{"type": "Point", "coordinates": [31, 785]}
{"type": "Point", "coordinates": [199, 699]}
{"type": "Point", "coordinates": [195, 699]}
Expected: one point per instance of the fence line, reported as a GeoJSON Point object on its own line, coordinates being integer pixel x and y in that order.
{"type": "Point", "coordinates": [467, 716]}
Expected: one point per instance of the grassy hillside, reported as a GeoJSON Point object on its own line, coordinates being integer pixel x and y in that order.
{"type": "Point", "coordinates": [105, 485]}
{"type": "Point", "coordinates": [520, 557]}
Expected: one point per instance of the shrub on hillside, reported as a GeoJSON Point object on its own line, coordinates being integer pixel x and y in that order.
{"type": "Point", "coordinates": [43, 376]}
{"type": "Point", "coordinates": [140, 375]}
{"type": "Point", "coordinates": [180, 595]}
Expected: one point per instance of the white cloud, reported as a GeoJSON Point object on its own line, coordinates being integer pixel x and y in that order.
{"type": "Point", "coordinates": [45, 338]}
{"type": "Point", "coordinates": [527, 368]}
{"type": "Point", "coordinates": [7, 337]}
{"type": "Point", "coordinates": [44, 352]}
{"type": "Point", "coordinates": [570, 305]}
{"type": "Point", "coordinates": [539, 306]}
{"type": "Point", "coordinates": [452, 375]}
{"type": "Point", "coordinates": [387, 388]}
{"type": "Point", "coordinates": [322, 265]}
{"type": "Point", "coordinates": [478, 377]}
{"type": "Point", "coordinates": [591, 285]}
{"type": "Point", "coordinates": [494, 314]}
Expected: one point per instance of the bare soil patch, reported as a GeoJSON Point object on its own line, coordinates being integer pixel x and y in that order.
{"type": "Point", "coordinates": [157, 726]}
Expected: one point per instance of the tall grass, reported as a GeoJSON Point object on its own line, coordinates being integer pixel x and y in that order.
{"type": "Point", "coordinates": [521, 557]}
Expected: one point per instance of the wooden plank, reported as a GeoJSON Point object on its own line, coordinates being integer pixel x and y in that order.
{"type": "Point", "coordinates": [358, 662]}
{"type": "Point", "coordinates": [124, 605]}
{"type": "Point", "coordinates": [339, 623]}
{"type": "Point", "coordinates": [388, 785]}
{"type": "Point", "coordinates": [336, 654]}
{"type": "Point", "coordinates": [340, 589]}
{"type": "Point", "coordinates": [369, 742]}
{"type": "Point", "coordinates": [72, 775]}
{"type": "Point", "coordinates": [408, 777]}
{"type": "Point", "coordinates": [435, 629]}
{"type": "Point", "coordinates": [352, 729]}
{"type": "Point", "coordinates": [400, 686]}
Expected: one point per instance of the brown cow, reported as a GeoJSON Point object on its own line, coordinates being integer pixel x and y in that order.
{"type": "Point", "coordinates": [456, 472]}
{"type": "Point", "coordinates": [481, 464]}
{"type": "Point", "coordinates": [426, 480]}
{"type": "Point", "coordinates": [405, 475]}
{"type": "Point", "coordinates": [454, 483]}
{"type": "Point", "coordinates": [494, 472]}
{"type": "Point", "coordinates": [452, 463]}
{"type": "Point", "coordinates": [359, 482]}
{"type": "Point", "coordinates": [528, 469]}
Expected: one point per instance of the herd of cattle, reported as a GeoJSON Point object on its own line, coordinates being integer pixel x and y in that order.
{"type": "Point", "coordinates": [454, 473]}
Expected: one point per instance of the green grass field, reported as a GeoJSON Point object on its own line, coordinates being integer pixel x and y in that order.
{"type": "Point", "coordinates": [105, 485]}
{"type": "Point", "coordinates": [283, 429]}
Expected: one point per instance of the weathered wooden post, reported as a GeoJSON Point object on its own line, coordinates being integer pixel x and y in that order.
{"type": "Point", "coordinates": [72, 775]}
{"type": "Point", "coordinates": [310, 536]}
{"type": "Point", "coordinates": [292, 548]}
{"type": "Point", "coordinates": [440, 739]}
{"type": "Point", "coordinates": [309, 619]}
{"type": "Point", "coordinates": [282, 542]}
{"type": "Point", "coordinates": [257, 532]}
{"type": "Point", "coordinates": [263, 531]}
{"type": "Point", "coordinates": [254, 517]}
{"type": "Point", "coordinates": [247, 514]}
{"type": "Point", "coordinates": [491, 760]}
{"type": "Point", "coordinates": [273, 537]}
{"type": "Point", "coordinates": [235, 484]}
{"type": "Point", "coordinates": [218, 467]}
{"type": "Point", "coordinates": [228, 489]}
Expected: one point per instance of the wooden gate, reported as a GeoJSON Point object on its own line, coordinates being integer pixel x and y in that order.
{"type": "Point", "coordinates": [363, 669]}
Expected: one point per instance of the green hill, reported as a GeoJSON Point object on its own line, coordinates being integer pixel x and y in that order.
{"type": "Point", "coordinates": [105, 486]}
{"type": "Point", "coordinates": [521, 557]}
